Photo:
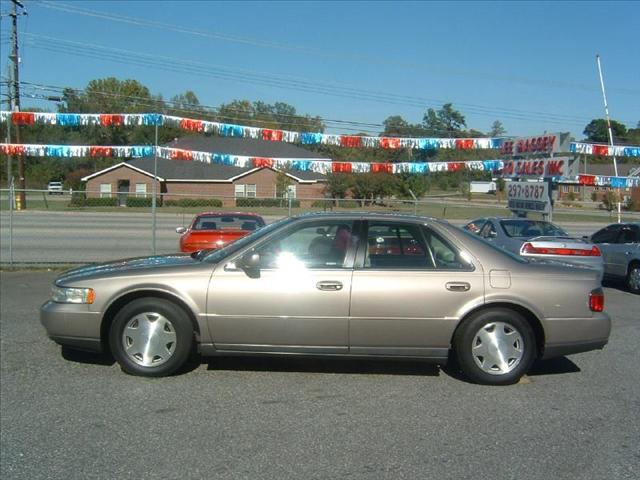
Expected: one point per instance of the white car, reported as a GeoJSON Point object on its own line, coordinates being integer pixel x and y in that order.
{"type": "Point", "coordinates": [620, 247]}
{"type": "Point", "coordinates": [538, 239]}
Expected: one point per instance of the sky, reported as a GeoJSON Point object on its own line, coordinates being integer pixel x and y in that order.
{"type": "Point", "coordinates": [530, 65]}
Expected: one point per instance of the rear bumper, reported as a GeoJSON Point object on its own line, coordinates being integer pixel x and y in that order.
{"type": "Point", "coordinates": [565, 336]}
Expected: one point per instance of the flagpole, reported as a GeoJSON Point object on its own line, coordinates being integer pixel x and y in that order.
{"type": "Point", "coordinates": [606, 111]}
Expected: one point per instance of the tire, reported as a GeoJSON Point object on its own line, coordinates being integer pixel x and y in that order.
{"type": "Point", "coordinates": [151, 337]}
{"type": "Point", "coordinates": [485, 339]}
{"type": "Point", "coordinates": [632, 281]}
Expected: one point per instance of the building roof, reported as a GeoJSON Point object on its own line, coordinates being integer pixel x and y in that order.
{"type": "Point", "coordinates": [606, 169]}
{"type": "Point", "coordinates": [249, 147]}
{"type": "Point", "coordinates": [186, 170]}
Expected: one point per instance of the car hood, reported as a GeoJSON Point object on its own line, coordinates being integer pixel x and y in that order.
{"type": "Point", "coordinates": [126, 266]}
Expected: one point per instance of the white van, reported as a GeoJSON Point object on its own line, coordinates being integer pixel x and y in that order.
{"type": "Point", "coordinates": [55, 188]}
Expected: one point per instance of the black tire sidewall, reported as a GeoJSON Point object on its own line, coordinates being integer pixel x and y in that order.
{"type": "Point", "coordinates": [181, 324]}
{"type": "Point", "coordinates": [628, 279]}
{"type": "Point", "coordinates": [468, 330]}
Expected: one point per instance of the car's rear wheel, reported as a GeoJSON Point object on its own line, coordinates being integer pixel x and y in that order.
{"type": "Point", "coordinates": [633, 278]}
{"type": "Point", "coordinates": [151, 337]}
{"type": "Point", "coordinates": [495, 346]}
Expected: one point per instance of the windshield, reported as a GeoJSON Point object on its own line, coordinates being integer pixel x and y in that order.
{"type": "Point", "coordinates": [531, 228]}
{"type": "Point", "coordinates": [227, 222]}
{"type": "Point", "coordinates": [233, 247]}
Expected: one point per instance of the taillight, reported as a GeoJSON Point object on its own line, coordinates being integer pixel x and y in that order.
{"type": "Point", "coordinates": [528, 248]}
{"type": "Point", "coordinates": [596, 300]}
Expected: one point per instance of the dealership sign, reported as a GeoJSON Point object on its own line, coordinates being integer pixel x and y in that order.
{"type": "Point", "coordinates": [529, 197]}
{"type": "Point", "coordinates": [543, 167]}
{"type": "Point", "coordinates": [541, 144]}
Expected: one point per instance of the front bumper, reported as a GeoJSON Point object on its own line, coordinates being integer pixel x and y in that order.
{"type": "Point", "coordinates": [72, 325]}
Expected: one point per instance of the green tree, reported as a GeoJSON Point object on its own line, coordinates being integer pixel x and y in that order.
{"type": "Point", "coordinates": [110, 95]}
{"type": "Point", "coordinates": [597, 131]}
{"type": "Point", "coordinates": [497, 129]}
{"type": "Point", "coordinates": [186, 104]}
{"type": "Point", "coordinates": [280, 115]}
{"type": "Point", "coordinates": [633, 135]}
{"type": "Point", "coordinates": [416, 183]}
{"type": "Point", "coordinates": [395, 126]}
{"type": "Point", "coordinates": [282, 183]}
{"type": "Point", "coordinates": [445, 122]}
{"type": "Point", "coordinates": [337, 185]}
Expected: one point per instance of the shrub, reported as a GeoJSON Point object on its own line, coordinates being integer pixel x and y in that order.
{"type": "Point", "coordinates": [193, 202]}
{"type": "Point", "coordinates": [140, 202]}
{"type": "Point", "coordinates": [324, 204]}
{"type": "Point", "coordinates": [266, 202]}
{"type": "Point", "coordinates": [102, 202]}
{"type": "Point", "coordinates": [347, 203]}
{"type": "Point", "coordinates": [78, 199]}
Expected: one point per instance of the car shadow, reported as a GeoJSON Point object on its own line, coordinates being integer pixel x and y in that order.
{"type": "Point", "coordinates": [553, 366]}
{"type": "Point", "coordinates": [615, 284]}
{"type": "Point", "coordinates": [79, 356]}
{"type": "Point", "coordinates": [322, 365]}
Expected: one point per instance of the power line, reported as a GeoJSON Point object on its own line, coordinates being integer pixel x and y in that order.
{"type": "Point", "coordinates": [179, 65]}
{"type": "Point", "coordinates": [67, 8]}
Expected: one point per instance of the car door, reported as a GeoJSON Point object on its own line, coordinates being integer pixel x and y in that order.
{"type": "Point", "coordinates": [606, 240]}
{"type": "Point", "coordinates": [298, 301]}
{"type": "Point", "coordinates": [621, 252]}
{"type": "Point", "coordinates": [408, 290]}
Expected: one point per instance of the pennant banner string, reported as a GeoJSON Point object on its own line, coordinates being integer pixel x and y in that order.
{"type": "Point", "coordinates": [232, 130]}
{"type": "Point", "coordinates": [317, 165]}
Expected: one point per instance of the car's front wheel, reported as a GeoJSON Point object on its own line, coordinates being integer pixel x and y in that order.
{"type": "Point", "coordinates": [633, 278]}
{"type": "Point", "coordinates": [495, 346]}
{"type": "Point", "coordinates": [151, 337]}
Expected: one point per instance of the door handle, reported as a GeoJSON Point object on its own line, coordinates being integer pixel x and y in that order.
{"type": "Point", "coordinates": [330, 286]}
{"type": "Point", "coordinates": [458, 286]}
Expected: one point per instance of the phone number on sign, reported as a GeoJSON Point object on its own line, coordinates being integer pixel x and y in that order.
{"type": "Point", "coordinates": [527, 191]}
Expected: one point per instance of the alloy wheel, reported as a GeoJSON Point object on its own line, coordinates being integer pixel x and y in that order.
{"type": "Point", "coordinates": [149, 339]}
{"type": "Point", "coordinates": [497, 348]}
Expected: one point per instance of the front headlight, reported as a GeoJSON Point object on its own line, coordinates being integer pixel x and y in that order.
{"type": "Point", "coordinates": [72, 295]}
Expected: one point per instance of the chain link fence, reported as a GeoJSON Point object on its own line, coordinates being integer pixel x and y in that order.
{"type": "Point", "coordinates": [77, 227]}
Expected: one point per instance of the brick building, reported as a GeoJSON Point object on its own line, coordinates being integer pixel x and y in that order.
{"type": "Point", "coordinates": [192, 179]}
{"type": "Point", "coordinates": [575, 191]}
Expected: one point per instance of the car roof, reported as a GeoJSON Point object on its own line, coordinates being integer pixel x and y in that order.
{"type": "Point", "coordinates": [228, 213]}
{"type": "Point", "coordinates": [367, 216]}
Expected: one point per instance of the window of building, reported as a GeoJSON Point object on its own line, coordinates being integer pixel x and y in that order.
{"type": "Point", "coordinates": [141, 189]}
{"type": "Point", "coordinates": [565, 188]}
{"type": "Point", "coordinates": [105, 190]}
{"type": "Point", "coordinates": [245, 190]}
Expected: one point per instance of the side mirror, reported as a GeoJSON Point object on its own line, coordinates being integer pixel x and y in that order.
{"type": "Point", "coordinates": [250, 264]}
{"type": "Point", "coordinates": [181, 230]}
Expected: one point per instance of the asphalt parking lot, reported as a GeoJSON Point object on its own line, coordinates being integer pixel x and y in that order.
{"type": "Point", "coordinates": [78, 416]}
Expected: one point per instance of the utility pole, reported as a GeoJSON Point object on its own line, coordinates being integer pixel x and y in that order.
{"type": "Point", "coordinates": [15, 101]}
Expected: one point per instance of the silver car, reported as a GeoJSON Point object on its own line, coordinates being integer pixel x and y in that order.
{"type": "Point", "coordinates": [350, 285]}
{"type": "Point", "coordinates": [538, 239]}
{"type": "Point", "coordinates": [620, 246]}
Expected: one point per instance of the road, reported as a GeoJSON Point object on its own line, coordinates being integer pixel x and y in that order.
{"type": "Point", "coordinates": [79, 417]}
{"type": "Point", "coordinates": [82, 237]}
